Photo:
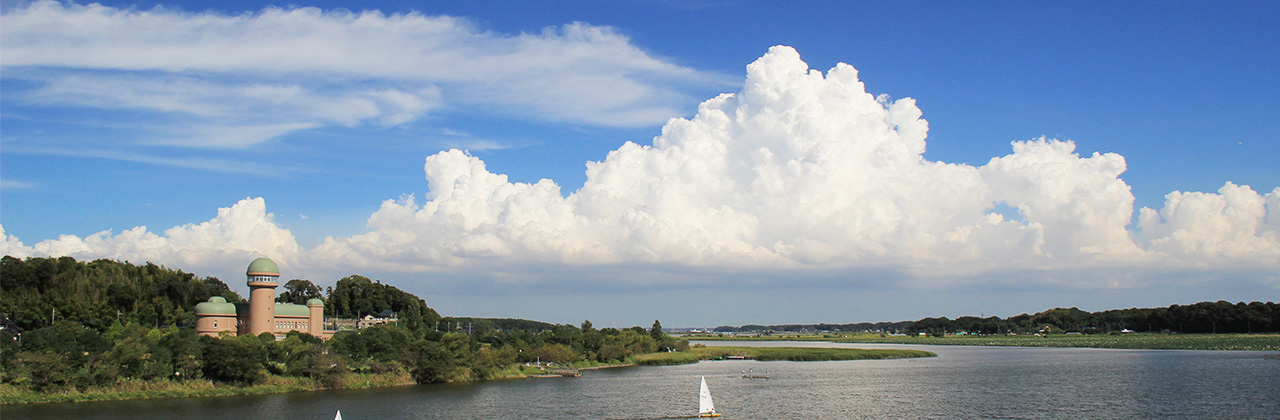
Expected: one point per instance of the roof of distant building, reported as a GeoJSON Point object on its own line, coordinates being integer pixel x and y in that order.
{"type": "Point", "coordinates": [289, 309]}
{"type": "Point", "coordinates": [216, 305]}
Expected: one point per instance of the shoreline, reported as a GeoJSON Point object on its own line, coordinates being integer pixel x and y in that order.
{"type": "Point", "coordinates": [164, 388]}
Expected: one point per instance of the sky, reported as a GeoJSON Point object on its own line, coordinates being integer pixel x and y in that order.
{"type": "Point", "coordinates": [702, 163]}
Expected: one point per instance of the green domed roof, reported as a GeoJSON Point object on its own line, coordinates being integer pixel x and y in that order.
{"type": "Point", "coordinates": [263, 267]}
{"type": "Point", "coordinates": [315, 301]}
{"type": "Point", "coordinates": [289, 309]}
{"type": "Point", "coordinates": [216, 306]}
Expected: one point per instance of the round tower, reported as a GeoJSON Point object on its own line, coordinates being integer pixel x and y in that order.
{"type": "Point", "coordinates": [315, 323]}
{"type": "Point", "coordinates": [264, 276]}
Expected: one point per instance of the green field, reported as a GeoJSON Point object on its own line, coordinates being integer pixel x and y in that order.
{"type": "Point", "coordinates": [797, 354]}
{"type": "Point", "coordinates": [1254, 342]}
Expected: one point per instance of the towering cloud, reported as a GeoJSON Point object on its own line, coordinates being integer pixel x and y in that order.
{"type": "Point", "coordinates": [800, 171]}
{"type": "Point", "coordinates": [805, 170]}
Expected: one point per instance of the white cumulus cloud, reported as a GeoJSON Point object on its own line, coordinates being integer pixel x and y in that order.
{"type": "Point", "coordinates": [800, 174]}
{"type": "Point", "coordinates": [237, 234]}
{"type": "Point", "coordinates": [799, 170]}
{"type": "Point", "coordinates": [1237, 225]}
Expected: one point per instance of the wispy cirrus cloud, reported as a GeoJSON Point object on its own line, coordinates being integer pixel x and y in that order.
{"type": "Point", "coordinates": [300, 68]}
{"type": "Point", "coordinates": [230, 166]}
{"type": "Point", "coordinates": [13, 184]}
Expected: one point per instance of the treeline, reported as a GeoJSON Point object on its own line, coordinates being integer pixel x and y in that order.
{"type": "Point", "coordinates": [1199, 318]}
{"type": "Point", "coordinates": [488, 325]}
{"type": "Point", "coordinates": [357, 296]}
{"type": "Point", "coordinates": [69, 355]}
{"type": "Point", "coordinates": [119, 322]}
{"type": "Point", "coordinates": [37, 291]}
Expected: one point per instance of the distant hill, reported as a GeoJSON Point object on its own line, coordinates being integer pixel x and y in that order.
{"type": "Point", "coordinates": [97, 293]}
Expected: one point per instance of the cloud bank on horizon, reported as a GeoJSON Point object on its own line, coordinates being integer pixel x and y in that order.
{"type": "Point", "coordinates": [800, 173]}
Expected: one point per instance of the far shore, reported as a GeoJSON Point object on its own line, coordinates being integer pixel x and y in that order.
{"type": "Point", "coordinates": [1153, 341]}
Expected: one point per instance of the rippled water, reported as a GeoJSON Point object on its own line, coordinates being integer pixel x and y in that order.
{"type": "Point", "coordinates": [961, 383]}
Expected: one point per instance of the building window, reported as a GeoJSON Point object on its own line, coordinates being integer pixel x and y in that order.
{"type": "Point", "coordinates": [215, 324]}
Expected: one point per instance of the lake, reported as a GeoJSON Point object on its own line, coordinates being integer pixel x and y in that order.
{"type": "Point", "coordinates": [961, 383]}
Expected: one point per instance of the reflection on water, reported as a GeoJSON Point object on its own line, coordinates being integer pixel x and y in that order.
{"type": "Point", "coordinates": [961, 383]}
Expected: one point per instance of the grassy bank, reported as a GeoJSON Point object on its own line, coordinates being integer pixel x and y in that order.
{"type": "Point", "coordinates": [1254, 342]}
{"type": "Point", "coordinates": [798, 354]}
{"type": "Point", "coordinates": [139, 389]}
{"type": "Point", "coordinates": [128, 389]}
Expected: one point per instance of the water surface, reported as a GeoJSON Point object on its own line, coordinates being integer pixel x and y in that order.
{"type": "Point", "coordinates": [961, 383]}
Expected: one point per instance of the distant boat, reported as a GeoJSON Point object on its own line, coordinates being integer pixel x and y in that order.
{"type": "Point", "coordinates": [339, 416]}
{"type": "Point", "coordinates": [706, 408]}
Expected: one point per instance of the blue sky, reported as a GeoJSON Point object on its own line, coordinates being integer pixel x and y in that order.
{"type": "Point", "coordinates": [310, 126]}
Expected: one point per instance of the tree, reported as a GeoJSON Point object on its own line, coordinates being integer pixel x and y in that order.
{"type": "Point", "coordinates": [216, 287]}
{"type": "Point", "coordinates": [382, 343]}
{"type": "Point", "coordinates": [611, 353]}
{"type": "Point", "coordinates": [356, 296]}
{"type": "Point", "coordinates": [44, 369]}
{"type": "Point", "coordinates": [656, 331]}
{"type": "Point", "coordinates": [232, 359]}
{"type": "Point", "coordinates": [557, 353]}
{"type": "Point", "coordinates": [298, 292]}
{"type": "Point", "coordinates": [138, 353]}
{"type": "Point", "coordinates": [429, 362]}
{"type": "Point", "coordinates": [184, 348]}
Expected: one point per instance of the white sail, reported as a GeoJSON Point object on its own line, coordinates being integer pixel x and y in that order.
{"type": "Point", "coordinates": [705, 406]}
{"type": "Point", "coordinates": [339, 416]}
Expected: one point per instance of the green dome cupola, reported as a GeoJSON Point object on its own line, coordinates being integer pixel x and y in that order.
{"type": "Point", "coordinates": [216, 306]}
{"type": "Point", "coordinates": [263, 272]}
{"type": "Point", "coordinates": [263, 267]}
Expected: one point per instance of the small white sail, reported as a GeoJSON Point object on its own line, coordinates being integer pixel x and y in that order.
{"type": "Point", "coordinates": [706, 408]}
{"type": "Point", "coordinates": [339, 416]}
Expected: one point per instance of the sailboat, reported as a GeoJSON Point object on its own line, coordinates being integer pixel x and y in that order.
{"type": "Point", "coordinates": [706, 408]}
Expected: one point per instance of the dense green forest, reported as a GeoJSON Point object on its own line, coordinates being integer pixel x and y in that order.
{"type": "Point", "coordinates": [95, 324]}
{"type": "Point", "coordinates": [1199, 318]}
{"type": "Point", "coordinates": [38, 291]}
{"type": "Point", "coordinates": [357, 296]}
